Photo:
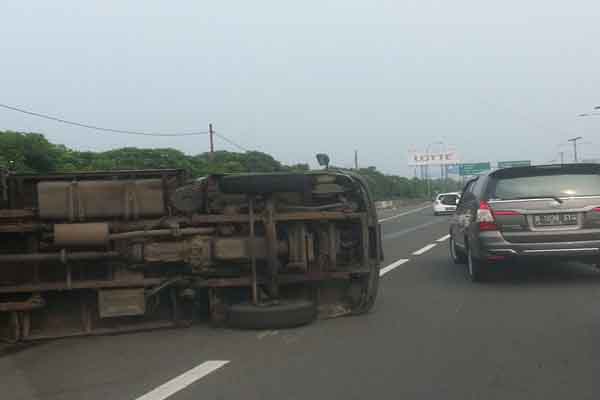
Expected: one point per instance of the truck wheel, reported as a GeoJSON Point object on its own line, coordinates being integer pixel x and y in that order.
{"type": "Point", "coordinates": [368, 296]}
{"type": "Point", "coordinates": [286, 314]}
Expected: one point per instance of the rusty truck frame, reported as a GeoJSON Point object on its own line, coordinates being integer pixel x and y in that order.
{"type": "Point", "coordinates": [116, 251]}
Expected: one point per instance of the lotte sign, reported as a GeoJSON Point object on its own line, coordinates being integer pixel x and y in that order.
{"type": "Point", "coordinates": [443, 158]}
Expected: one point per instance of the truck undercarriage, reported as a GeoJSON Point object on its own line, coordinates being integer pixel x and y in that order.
{"type": "Point", "coordinates": [107, 252]}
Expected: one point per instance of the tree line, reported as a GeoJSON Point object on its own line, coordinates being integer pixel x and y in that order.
{"type": "Point", "coordinates": [33, 153]}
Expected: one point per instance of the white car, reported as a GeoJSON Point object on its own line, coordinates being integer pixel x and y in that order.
{"type": "Point", "coordinates": [445, 203]}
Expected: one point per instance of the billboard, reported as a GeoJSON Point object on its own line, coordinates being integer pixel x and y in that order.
{"type": "Point", "coordinates": [433, 158]}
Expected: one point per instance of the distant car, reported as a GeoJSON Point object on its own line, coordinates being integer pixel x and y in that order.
{"type": "Point", "coordinates": [445, 203]}
{"type": "Point", "coordinates": [528, 212]}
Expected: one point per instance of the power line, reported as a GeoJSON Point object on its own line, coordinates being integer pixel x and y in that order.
{"type": "Point", "coordinates": [98, 128]}
{"type": "Point", "coordinates": [231, 142]}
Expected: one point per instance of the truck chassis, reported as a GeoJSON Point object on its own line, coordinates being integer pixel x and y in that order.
{"type": "Point", "coordinates": [116, 251]}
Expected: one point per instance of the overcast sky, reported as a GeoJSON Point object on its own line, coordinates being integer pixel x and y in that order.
{"type": "Point", "coordinates": [498, 80]}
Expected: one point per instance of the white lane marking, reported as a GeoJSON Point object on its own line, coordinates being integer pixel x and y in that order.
{"type": "Point", "coordinates": [392, 266]}
{"type": "Point", "coordinates": [404, 213]}
{"type": "Point", "coordinates": [424, 249]}
{"type": "Point", "coordinates": [264, 334]}
{"type": "Point", "coordinates": [182, 381]}
{"type": "Point", "coordinates": [443, 238]}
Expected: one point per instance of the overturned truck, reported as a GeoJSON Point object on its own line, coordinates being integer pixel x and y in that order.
{"type": "Point", "coordinates": [105, 252]}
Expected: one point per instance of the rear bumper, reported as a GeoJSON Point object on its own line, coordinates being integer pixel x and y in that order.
{"type": "Point", "coordinates": [493, 244]}
{"type": "Point", "coordinates": [441, 209]}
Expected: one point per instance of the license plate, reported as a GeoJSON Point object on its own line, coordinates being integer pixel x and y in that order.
{"type": "Point", "coordinates": [554, 219]}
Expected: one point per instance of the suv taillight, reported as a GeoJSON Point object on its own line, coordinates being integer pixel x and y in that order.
{"type": "Point", "coordinates": [506, 213]}
{"type": "Point", "coordinates": [485, 218]}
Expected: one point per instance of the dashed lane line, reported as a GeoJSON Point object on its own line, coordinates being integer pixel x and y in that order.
{"type": "Point", "coordinates": [424, 249]}
{"type": "Point", "coordinates": [443, 238]}
{"type": "Point", "coordinates": [182, 381]}
{"type": "Point", "coordinates": [404, 213]}
{"type": "Point", "coordinates": [392, 266]}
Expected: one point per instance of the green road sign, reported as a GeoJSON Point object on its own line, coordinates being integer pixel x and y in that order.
{"type": "Point", "coordinates": [510, 164]}
{"type": "Point", "coordinates": [474, 168]}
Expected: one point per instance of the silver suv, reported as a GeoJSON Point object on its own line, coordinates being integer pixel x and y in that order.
{"type": "Point", "coordinates": [526, 212]}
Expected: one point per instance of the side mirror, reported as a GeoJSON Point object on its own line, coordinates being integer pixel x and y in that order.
{"type": "Point", "coordinates": [323, 160]}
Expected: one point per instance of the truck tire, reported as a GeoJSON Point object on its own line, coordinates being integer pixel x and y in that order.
{"type": "Point", "coordinates": [368, 298]}
{"type": "Point", "coordinates": [287, 314]}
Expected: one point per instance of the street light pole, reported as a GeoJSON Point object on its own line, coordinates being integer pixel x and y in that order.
{"type": "Point", "coordinates": [574, 141]}
{"type": "Point", "coordinates": [594, 113]}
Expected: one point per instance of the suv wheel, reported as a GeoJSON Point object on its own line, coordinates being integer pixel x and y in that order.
{"type": "Point", "coordinates": [456, 254]}
{"type": "Point", "coordinates": [476, 268]}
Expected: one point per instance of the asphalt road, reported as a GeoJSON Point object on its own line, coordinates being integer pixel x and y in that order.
{"type": "Point", "coordinates": [531, 333]}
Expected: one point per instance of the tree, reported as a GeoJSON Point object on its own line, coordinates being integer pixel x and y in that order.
{"type": "Point", "coordinates": [28, 152]}
{"type": "Point", "coordinates": [32, 153]}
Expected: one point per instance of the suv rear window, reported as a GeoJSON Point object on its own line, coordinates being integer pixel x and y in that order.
{"type": "Point", "coordinates": [547, 185]}
{"type": "Point", "coordinates": [448, 199]}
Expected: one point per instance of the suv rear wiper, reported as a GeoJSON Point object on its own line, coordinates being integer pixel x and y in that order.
{"type": "Point", "coordinates": [558, 199]}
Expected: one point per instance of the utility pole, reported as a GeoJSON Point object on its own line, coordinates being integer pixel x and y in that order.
{"type": "Point", "coordinates": [562, 157]}
{"type": "Point", "coordinates": [356, 159]}
{"type": "Point", "coordinates": [574, 140]}
{"type": "Point", "coordinates": [210, 134]}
